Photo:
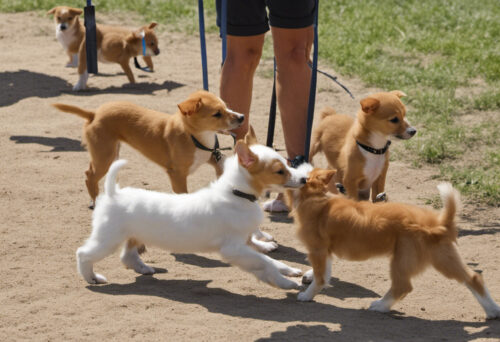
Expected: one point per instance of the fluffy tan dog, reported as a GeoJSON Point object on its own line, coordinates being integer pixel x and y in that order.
{"type": "Point", "coordinates": [358, 149]}
{"type": "Point", "coordinates": [412, 237]}
{"type": "Point", "coordinates": [167, 140]}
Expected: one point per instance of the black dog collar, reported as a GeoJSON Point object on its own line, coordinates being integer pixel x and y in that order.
{"type": "Point", "coordinates": [244, 195]}
{"type": "Point", "coordinates": [375, 150]}
{"type": "Point", "coordinates": [215, 151]}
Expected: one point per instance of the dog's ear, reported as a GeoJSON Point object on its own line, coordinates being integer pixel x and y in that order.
{"type": "Point", "coordinates": [250, 138]}
{"type": "Point", "coordinates": [75, 11]}
{"type": "Point", "coordinates": [246, 157]}
{"type": "Point", "coordinates": [369, 105]}
{"type": "Point", "coordinates": [325, 176]}
{"type": "Point", "coordinates": [398, 93]}
{"type": "Point", "coordinates": [152, 25]}
{"type": "Point", "coordinates": [134, 36]}
{"type": "Point", "coordinates": [190, 106]}
{"type": "Point", "coordinates": [52, 11]}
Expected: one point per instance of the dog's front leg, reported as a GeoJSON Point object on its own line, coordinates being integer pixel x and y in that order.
{"type": "Point", "coordinates": [126, 67]}
{"type": "Point", "coordinates": [379, 185]}
{"type": "Point", "coordinates": [261, 266]}
{"type": "Point", "coordinates": [262, 246]}
{"type": "Point", "coordinates": [178, 180]}
{"type": "Point", "coordinates": [321, 262]}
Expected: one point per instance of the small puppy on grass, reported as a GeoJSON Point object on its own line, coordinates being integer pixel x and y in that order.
{"type": "Point", "coordinates": [358, 149]}
{"type": "Point", "coordinates": [70, 32]}
{"type": "Point", "coordinates": [167, 140]}
{"type": "Point", "coordinates": [413, 237]}
{"type": "Point", "coordinates": [219, 218]}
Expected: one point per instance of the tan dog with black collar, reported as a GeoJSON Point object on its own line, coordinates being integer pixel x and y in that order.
{"type": "Point", "coordinates": [358, 149]}
{"type": "Point", "coordinates": [70, 32]}
{"type": "Point", "coordinates": [167, 140]}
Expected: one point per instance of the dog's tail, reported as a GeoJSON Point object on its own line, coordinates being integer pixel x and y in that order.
{"type": "Point", "coordinates": [110, 185]}
{"type": "Point", "coordinates": [327, 111]}
{"type": "Point", "coordinates": [86, 114]}
{"type": "Point", "coordinates": [451, 202]}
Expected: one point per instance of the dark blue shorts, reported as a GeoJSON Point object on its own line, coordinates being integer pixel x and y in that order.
{"type": "Point", "coordinates": [250, 18]}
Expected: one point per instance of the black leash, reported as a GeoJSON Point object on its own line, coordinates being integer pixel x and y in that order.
{"type": "Point", "coordinates": [90, 37]}
{"type": "Point", "coordinates": [138, 66]}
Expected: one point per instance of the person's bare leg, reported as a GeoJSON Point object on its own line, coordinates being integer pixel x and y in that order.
{"type": "Point", "coordinates": [236, 82]}
{"type": "Point", "coordinates": [292, 48]}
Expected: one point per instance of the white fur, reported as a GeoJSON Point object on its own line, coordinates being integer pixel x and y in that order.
{"type": "Point", "coordinates": [207, 139]}
{"type": "Point", "coordinates": [212, 219]}
{"type": "Point", "coordinates": [374, 163]}
{"type": "Point", "coordinates": [82, 81]}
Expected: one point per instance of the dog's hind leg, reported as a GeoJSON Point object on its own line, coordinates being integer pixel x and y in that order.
{"type": "Point", "coordinates": [102, 154]}
{"type": "Point", "coordinates": [91, 252]}
{"type": "Point", "coordinates": [262, 246]}
{"type": "Point", "coordinates": [405, 263]}
{"type": "Point", "coordinates": [258, 264]}
{"type": "Point", "coordinates": [321, 262]}
{"type": "Point", "coordinates": [131, 259]}
{"type": "Point", "coordinates": [284, 268]}
{"type": "Point", "coordinates": [447, 261]}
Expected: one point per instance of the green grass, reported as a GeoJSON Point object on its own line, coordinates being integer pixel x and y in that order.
{"type": "Point", "coordinates": [444, 54]}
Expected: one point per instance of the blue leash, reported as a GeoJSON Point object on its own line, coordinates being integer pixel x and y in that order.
{"type": "Point", "coordinates": [203, 44]}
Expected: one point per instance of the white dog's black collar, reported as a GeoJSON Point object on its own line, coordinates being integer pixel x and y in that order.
{"type": "Point", "coordinates": [374, 150]}
{"type": "Point", "coordinates": [244, 195]}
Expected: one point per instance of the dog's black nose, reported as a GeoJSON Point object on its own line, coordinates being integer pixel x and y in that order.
{"type": "Point", "coordinates": [241, 118]}
{"type": "Point", "coordinates": [157, 52]}
{"type": "Point", "coordinates": [303, 180]}
{"type": "Point", "coordinates": [63, 27]}
{"type": "Point", "coordinates": [411, 131]}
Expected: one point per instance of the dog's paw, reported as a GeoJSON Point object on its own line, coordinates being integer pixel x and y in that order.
{"type": "Point", "coordinates": [294, 272]}
{"type": "Point", "coordinates": [97, 279]}
{"type": "Point", "coordinates": [304, 297]}
{"type": "Point", "coordinates": [265, 247]}
{"type": "Point", "coordinates": [78, 87]}
{"type": "Point", "coordinates": [379, 306]}
{"type": "Point", "coordinates": [308, 277]}
{"type": "Point", "coordinates": [493, 314]}
{"type": "Point", "coordinates": [145, 269]}
{"type": "Point", "coordinates": [266, 236]}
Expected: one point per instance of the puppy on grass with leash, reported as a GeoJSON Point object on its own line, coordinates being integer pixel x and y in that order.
{"type": "Point", "coordinates": [220, 218]}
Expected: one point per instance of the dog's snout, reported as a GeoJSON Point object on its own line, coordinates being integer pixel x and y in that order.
{"type": "Point", "coordinates": [411, 131]}
{"type": "Point", "coordinates": [303, 180]}
{"type": "Point", "coordinates": [241, 118]}
{"type": "Point", "coordinates": [63, 27]}
{"type": "Point", "coordinates": [157, 52]}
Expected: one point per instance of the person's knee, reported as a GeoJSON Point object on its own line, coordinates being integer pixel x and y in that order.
{"type": "Point", "coordinates": [296, 56]}
{"type": "Point", "coordinates": [247, 59]}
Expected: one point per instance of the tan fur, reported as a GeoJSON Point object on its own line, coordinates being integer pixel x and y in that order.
{"type": "Point", "coordinates": [70, 16]}
{"type": "Point", "coordinates": [164, 139]}
{"type": "Point", "coordinates": [412, 237]}
{"type": "Point", "coordinates": [336, 136]}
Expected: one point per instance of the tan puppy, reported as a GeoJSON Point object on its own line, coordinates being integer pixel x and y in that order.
{"type": "Point", "coordinates": [165, 139]}
{"type": "Point", "coordinates": [413, 237]}
{"type": "Point", "coordinates": [358, 149]}
{"type": "Point", "coordinates": [119, 45]}
{"type": "Point", "coordinates": [70, 32]}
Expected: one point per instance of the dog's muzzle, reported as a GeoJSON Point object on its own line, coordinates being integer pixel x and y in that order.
{"type": "Point", "coordinates": [410, 132]}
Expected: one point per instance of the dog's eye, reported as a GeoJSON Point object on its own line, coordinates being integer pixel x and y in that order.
{"type": "Point", "coordinates": [217, 115]}
{"type": "Point", "coordinates": [280, 172]}
{"type": "Point", "coordinates": [70, 18]}
{"type": "Point", "coordinates": [394, 120]}
{"type": "Point", "coordinates": [152, 44]}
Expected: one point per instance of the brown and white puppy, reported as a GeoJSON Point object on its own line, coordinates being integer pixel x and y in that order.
{"type": "Point", "coordinates": [119, 45]}
{"type": "Point", "coordinates": [358, 149]}
{"type": "Point", "coordinates": [412, 237]}
{"type": "Point", "coordinates": [165, 139]}
{"type": "Point", "coordinates": [69, 31]}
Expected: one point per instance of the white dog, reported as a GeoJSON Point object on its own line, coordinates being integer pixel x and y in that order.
{"type": "Point", "coordinates": [219, 218]}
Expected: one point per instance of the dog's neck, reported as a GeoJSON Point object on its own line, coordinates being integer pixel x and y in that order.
{"type": "Point", "coordinates": [236, 177]}
{"type": "Point", "coordinates": [374, 139]}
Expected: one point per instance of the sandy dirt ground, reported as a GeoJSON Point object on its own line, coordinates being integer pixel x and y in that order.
{"type": "Point", "coordinates": [44, 218]}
